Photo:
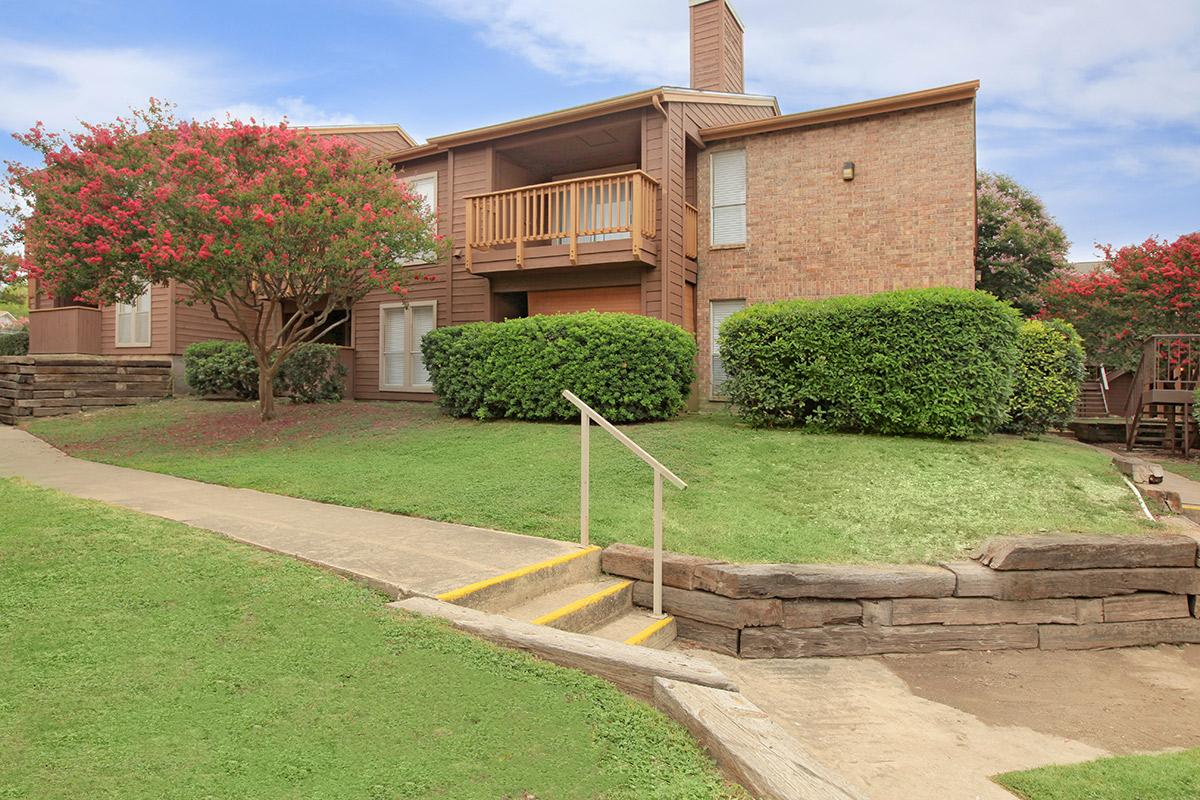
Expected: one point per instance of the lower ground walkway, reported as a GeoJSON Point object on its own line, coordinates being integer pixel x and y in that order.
{"type": "Point", "coordinates": [396, 554]}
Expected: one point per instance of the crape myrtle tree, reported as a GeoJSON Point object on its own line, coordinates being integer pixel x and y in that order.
{"type": "Point", "coordinates": [1144, 289]}
{"type": "Point", "coordinates": [245, 216]}
{"type": "Point", "coordinates": [1020, 246]}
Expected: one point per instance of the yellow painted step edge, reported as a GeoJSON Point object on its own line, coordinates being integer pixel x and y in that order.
{"type": "Point", "coordinates": [471, 588]}
{"type": "Point", "coordinates": [1191, 507]}
{"type": "Point", "coordinates": [583, 602]}
{"type": "Point", "coordinates": [651, 629]}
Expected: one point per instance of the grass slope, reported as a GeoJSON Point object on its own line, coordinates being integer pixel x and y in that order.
{"type": "Point", "coordinates": [1172, 776]}
{"type": "Point", "coordinates": [141, 658]}
{"type": "Point", "coordinates": [753, 495]}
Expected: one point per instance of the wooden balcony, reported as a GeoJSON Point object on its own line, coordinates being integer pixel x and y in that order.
{"type": "Point", "coordinates": [600, 219]}
{"type": "Point", "coordinates": [64, 330]}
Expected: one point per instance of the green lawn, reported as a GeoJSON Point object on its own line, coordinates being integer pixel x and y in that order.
{"type": "Point", "coordinates": [752, 496]}
{"type": "Point", "coordinates": [1188, 469]}
{"type": "Point", "coordinates": [1173, 776]}
{"type": "Point", "coordinates": [140, 658]}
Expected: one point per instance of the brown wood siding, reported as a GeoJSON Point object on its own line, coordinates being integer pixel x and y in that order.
{"type": "Point", "coordinates": [472, 167]}
{"type": "Point", "coordinates": [161, 298]}
{"type": "Point", "coordinates": [716, 44]}
{"type": "Point", "coordinates": [625, 299]}
{"type": "Point", "coordinates": [197, 324]}
{"type": "Point", "coordinates": [364, 325]}
{"type": "Point", "coordinates": [654, 144]}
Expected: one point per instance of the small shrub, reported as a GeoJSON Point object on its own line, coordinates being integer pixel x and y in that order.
{"type": "Point", "coordinates": [1048, 373]}
{"type": "Point", "coordinates": [312, 374]}
{"type": "Point", "coordinates": [221, 368]}
{"type": "Point", "coordinates": [627, 367]}
{"type": "Point", "coordinates": [14, 344]}
{"type": "Point", "coordinates": [934, 362]}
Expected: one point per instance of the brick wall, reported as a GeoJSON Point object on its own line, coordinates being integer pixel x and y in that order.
{"type": "Point", "coordinates": [906, 220]}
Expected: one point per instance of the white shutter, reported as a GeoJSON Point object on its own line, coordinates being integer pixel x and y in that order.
{"type": "Point", "coordinates": [395, 346]}
{"type": "Point", "coordinates": [424, 319]}
{"type": "Point", "coordinates": [719, 311]}
{"type": "Point", "coordinates": [729, 197]}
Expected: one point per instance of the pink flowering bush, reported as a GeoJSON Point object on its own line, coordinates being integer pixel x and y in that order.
{"type": "Point", "coordinates": [244, 215]}
{"type": "Point", "coordinates": [1145, 289]}
{"type": "Point", "coordinates": [1020, 246]}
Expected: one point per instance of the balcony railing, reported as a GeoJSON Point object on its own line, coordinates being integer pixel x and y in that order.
{"type": "Point", "coordinates": [64, 330]}
{"type": "Point", "coordinates": [691, 231]}
{"type": "Point", "coordinates": [595, 208]}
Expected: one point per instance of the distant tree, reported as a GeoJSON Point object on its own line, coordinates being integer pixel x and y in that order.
{"type": "Point", "coordinates": [246, 216]}
{"type": "Point", "coordinates": [1020, 246]}
{"type": "Point", "coordinates": [1144, 289]}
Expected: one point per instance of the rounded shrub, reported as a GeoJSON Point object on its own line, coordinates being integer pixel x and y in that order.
{"type": "Point", "coordinates": [15, 343]}
{"type": "Point", "coordinates": [627, 367]}
{"type": "Point", "coordinates": [221, 368]}
{"type": "Point", "coordinates": [310, 374]}
{"type": "Point", "coordinates": [933, 362]}
{"type": "Point", "coordinates": [1049, 370]}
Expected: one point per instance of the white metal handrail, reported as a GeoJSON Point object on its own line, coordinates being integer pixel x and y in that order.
{"type": "Point", "coordinates": [586, 415]}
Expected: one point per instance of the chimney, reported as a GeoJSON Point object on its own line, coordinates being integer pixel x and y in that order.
{"type": "Point", "coordinates": [717, 64]}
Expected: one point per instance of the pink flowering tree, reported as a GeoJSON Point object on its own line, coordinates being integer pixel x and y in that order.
{"type": "Point", "coordinates": [245, 216]}
{"type": "Point", "coordinates": [1020, 246]}
{"type": "Point", "coordinates": [1144, 289]}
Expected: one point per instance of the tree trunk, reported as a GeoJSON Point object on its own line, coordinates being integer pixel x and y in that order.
{"type": "Point", "coordinates": [266, 394]}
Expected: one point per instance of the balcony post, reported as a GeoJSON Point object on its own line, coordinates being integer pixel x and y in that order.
{"type": "Point", "coordinates": [470, 231]}
{"type": "Point", "coordinates": [635, 214]}
{"type": "Point", "coordinates": [574, 211]}
{"type": "Point", "coordinates": [519, 197]}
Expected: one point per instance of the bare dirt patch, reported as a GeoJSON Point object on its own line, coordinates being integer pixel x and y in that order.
{"type": "Point", "coordinates": [1130, 700]}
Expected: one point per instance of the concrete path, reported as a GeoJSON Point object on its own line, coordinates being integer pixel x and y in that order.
{"type": "Point", "coordinates": [396, 554]}
{"type": "Point", "coordinates": [1189, 490]}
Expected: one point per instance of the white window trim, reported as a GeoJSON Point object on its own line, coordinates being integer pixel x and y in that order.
{"type": "Point", "coordinates": [714, 345]}
{"type": "Point", "coordinates": [384, 386]}
{"type": "Point", "coordinates": [149, 321]}
{"type": "Point", "coordinates": [712, 206]}
{"type": "Point", "coordinates": [406, 179]}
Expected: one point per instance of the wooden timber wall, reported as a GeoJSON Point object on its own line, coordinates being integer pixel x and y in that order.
{"type": "Point", "coordinates": [1048, 592]}
{"type": "Point", "coordinates": [46, 386]}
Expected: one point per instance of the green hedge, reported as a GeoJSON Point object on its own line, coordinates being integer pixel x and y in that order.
{"type": "Point", "coordinates": [627, 367]}
{"type": "Point", "coordinates": [14, 344]}
{"type": "Point", "coordinates": [934, 362]}
{"type": "Point", "coordinates": [1050, 368]}
{"type": "Point", "coordinates": [310, 374]}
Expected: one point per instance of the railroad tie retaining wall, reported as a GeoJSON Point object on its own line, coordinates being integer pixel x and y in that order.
{"type": "Point", "coordinates": [44, 386]}
{"type": "Point", "coordinates": [1048, 592]}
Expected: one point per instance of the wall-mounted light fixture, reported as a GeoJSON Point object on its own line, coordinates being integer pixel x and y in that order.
{"type": "Point", "coordinates": [848, 171]}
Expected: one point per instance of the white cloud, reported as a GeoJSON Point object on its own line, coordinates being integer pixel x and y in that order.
{"type": "Point", "coordinates": [61, 85]}
{"type": "Point", "coordinates": [1105, 62]}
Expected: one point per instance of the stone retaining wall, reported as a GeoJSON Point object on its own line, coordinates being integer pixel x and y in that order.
{"type": "Point", "coordinates": [44, 386]}
{"type": "Point", "coordinates": [1048, 592]}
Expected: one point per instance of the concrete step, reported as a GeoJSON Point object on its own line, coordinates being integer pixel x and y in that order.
{"type": "Point", "coordinates": [528, 583]}
{"type": "Point", "coordinates": [578, 607]}
{"type": "Point", "coordinates": [638, 626]}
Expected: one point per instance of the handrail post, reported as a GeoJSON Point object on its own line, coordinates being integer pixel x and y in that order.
{"type": "Point", "coordinates": [635, 214]}
{"type": "Point", "coordinates": [585, 426]}
{"type": "Point", "coordinates": [470, 232]}
{"type": "Point", "coordinates": [520, 233]}
{"type": "Point", "coordinates": [658, 543]}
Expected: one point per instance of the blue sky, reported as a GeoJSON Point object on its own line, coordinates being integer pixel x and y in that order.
{"type": "Point", "coordinates": [1094, 104]}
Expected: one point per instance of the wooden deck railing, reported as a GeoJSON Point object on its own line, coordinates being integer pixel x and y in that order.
{"type": "Point", "coordinates": [604, 206]}
{"type": "Point", "coordinates": [1166, 380]}
{"type": "Point", "coordinates": [691, 231]}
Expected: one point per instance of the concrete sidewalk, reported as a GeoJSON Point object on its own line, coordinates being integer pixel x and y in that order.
{"type": "Point", "coordinates": [398, 555]}
{"type": "Point", "coordinates": [1188, 489]}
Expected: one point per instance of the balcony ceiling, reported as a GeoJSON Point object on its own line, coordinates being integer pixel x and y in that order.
{"type": "Point", "coordinates": [579, 150]}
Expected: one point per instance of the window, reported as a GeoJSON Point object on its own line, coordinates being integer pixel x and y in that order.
{"type": "Point", "coordinates": [401, 328]}
{"type": "Point", "coordinates": [721, 310]}
{"type": "Point", "coordinates": [729, 197]}
{"type": "Point", "coordinates": [425, 186]}
{"type": "Point", "coordinates": [133, 322]}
